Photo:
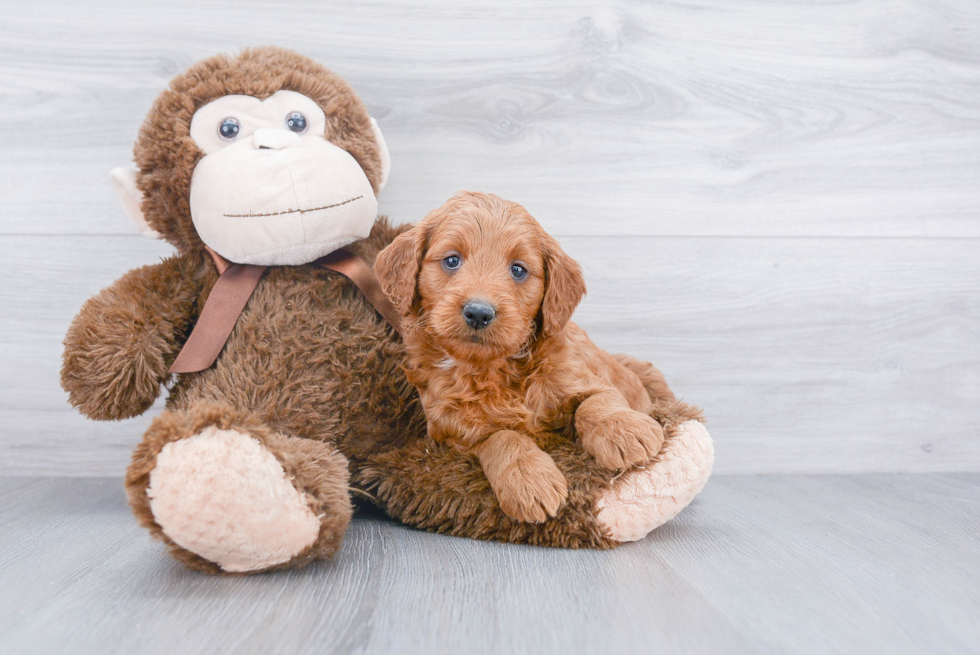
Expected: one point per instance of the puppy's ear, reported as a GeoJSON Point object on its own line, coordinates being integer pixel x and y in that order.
{"type": "Point", "coordinates": [397, 268]}
{"type": "Point", "coordinates": [564, 286]}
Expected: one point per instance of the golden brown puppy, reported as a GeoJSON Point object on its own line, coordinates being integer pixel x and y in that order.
{"type": "Point", "coordinates": [499, 366]}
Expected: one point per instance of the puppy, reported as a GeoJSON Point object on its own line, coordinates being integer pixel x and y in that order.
{"type": "Point", "coordinates": [487, 297]}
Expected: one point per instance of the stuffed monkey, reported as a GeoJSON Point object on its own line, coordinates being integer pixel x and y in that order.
{"type": "Point", "coordinates": [258, 166]}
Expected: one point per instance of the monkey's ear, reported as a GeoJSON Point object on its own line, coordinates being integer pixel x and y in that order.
{"type": "Point", "coordinates": [383, 153]}
{"type": "Point", "coordinates": [397, 268]}
{"type": "Point", "coordinates": [124, 183]}
{"type": "Point", "coordinates": [564, 286]}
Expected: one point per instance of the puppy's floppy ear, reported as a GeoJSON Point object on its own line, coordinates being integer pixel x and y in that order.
{"type": "Point", "coordinates": [397, 268]}
{"type": "Point", "coordinates": [564, 286]}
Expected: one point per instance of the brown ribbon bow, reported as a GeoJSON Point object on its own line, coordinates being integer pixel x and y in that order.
{"type": "Point", "coordinates": [234, 287]}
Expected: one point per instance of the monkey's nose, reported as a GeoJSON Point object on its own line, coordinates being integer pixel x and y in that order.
{"type": "Point", "coordinates": [275, 139]}
{"type": "Point", "coordinates": [478, 314]}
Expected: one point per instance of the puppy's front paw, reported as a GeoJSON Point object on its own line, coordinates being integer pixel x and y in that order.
{"type": "Point", "coordinates": [627, 438]}
{"type": "Point", "coordinates": [532, 489]}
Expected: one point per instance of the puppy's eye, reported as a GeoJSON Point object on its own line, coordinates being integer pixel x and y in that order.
{"type": "Point", "coordinates": [518, 272]}
{"type": "Point", "coordinates": [452, 262]}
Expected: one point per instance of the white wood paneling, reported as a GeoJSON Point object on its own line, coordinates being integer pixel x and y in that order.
{"type": "Point", "coordinates": [705, 117]}
{"type": "Point", "coordinates": [808, 354]}
{"type": "Point", "coordinates": [778, 202]}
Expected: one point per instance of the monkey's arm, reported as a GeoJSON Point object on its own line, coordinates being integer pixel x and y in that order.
{"type": "Point", "coordinates": [119, 348]}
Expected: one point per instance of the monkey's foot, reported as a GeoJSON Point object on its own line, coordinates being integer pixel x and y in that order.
{"type": "Point", "coordinates": [223, 496]}
{"type": "Point", "coordinates": [227, 494]}
{"type": "Point", "coordinates": [645, 498]}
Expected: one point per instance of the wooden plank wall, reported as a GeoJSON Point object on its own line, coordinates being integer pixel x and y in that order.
{"type": "Point", "coordinates": [777, 201]}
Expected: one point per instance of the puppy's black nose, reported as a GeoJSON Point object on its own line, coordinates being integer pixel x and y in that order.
{"type": "Point", "coordinates": [478, 314]}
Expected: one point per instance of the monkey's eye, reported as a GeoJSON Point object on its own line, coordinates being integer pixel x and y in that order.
{"type": "Point", "coordinates": [452, 262]}
{"type": "Point", "coordinates": [296, 122]}
{"type": "Point", "coordinates": [518, 272]}
{"type": "Point", "coordinates": [229, 128]}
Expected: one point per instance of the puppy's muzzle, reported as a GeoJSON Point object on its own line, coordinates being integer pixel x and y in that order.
{"type": "Point", "coordinates": [478, 314]}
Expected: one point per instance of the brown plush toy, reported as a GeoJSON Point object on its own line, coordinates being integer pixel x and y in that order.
{"type": "Point", "coordinates": [289, 394]}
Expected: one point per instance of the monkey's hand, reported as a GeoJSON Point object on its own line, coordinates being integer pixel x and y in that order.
{"type": "Point", "coordinates": [119, 348]}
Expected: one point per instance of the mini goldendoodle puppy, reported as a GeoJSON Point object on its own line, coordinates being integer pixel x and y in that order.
{"type": "Point", "coordinates": [488, 295]}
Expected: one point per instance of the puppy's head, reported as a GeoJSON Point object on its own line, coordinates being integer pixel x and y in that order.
{"type": "Point", "coordinates": [481, 276]}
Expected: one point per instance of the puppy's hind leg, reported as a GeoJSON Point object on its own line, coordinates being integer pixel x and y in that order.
{"type": "Point", "coordinates": [650, 376]}
{"type": "Point", "coordinates": [616, 435]}
{"type": "Point", "coordinates": [527, 482]}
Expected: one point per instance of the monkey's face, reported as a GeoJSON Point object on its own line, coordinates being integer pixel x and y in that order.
{"type": "Point", "coordinates": [271, 188]}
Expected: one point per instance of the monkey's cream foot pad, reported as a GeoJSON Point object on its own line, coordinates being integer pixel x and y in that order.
{"type": "Point", "coordinates": [645, 498]}
{"type": "Point", "coordinates": [222, 495]}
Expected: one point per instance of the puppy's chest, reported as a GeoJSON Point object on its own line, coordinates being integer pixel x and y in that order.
{"type": "Point", "coordinates": [491, 401]}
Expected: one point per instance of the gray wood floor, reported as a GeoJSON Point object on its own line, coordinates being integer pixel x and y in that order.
{"type": "Point", "coordinates": [878, 563]}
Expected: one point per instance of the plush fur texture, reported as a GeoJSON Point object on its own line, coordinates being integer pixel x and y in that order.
{"type": "Point", "coordinates": [119, 348]}
{"type": "Point", "coordinates": [223, 495]}
{"type": "Point", "coordinates": [311, 373]}
{"type": "Point", "coordinates": [495, 389]}
{"type": "Point", "coordinates": [458, 499]}
{"type": "Point", "coordinates": [316, 470]}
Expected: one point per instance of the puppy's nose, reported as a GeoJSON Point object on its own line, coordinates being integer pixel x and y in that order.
{"type": "Point", "coordinates": [478, 314]}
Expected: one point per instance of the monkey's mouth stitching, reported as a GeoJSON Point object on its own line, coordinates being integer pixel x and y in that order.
{"type": "Point", "coordinates": [291, 211]}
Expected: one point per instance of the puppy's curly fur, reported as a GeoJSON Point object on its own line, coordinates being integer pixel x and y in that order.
{"type": "Point", "coordinates": [503, 383]}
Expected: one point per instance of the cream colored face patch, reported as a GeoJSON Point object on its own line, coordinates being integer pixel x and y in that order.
{"type": "Point", "coordinates": [249, 114]}
{"type": "Point", "coordinates": [271, 190]}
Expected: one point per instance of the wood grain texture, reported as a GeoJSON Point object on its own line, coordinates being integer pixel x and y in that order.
{"type": "Point", "coordinates": [778, 202]}
{"type": "Point", "coordinates": [760, 118]}
{"type": "Point", "coordinates": [758, 564]}
{"type": "Point", "coordinates": [810, 355]}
